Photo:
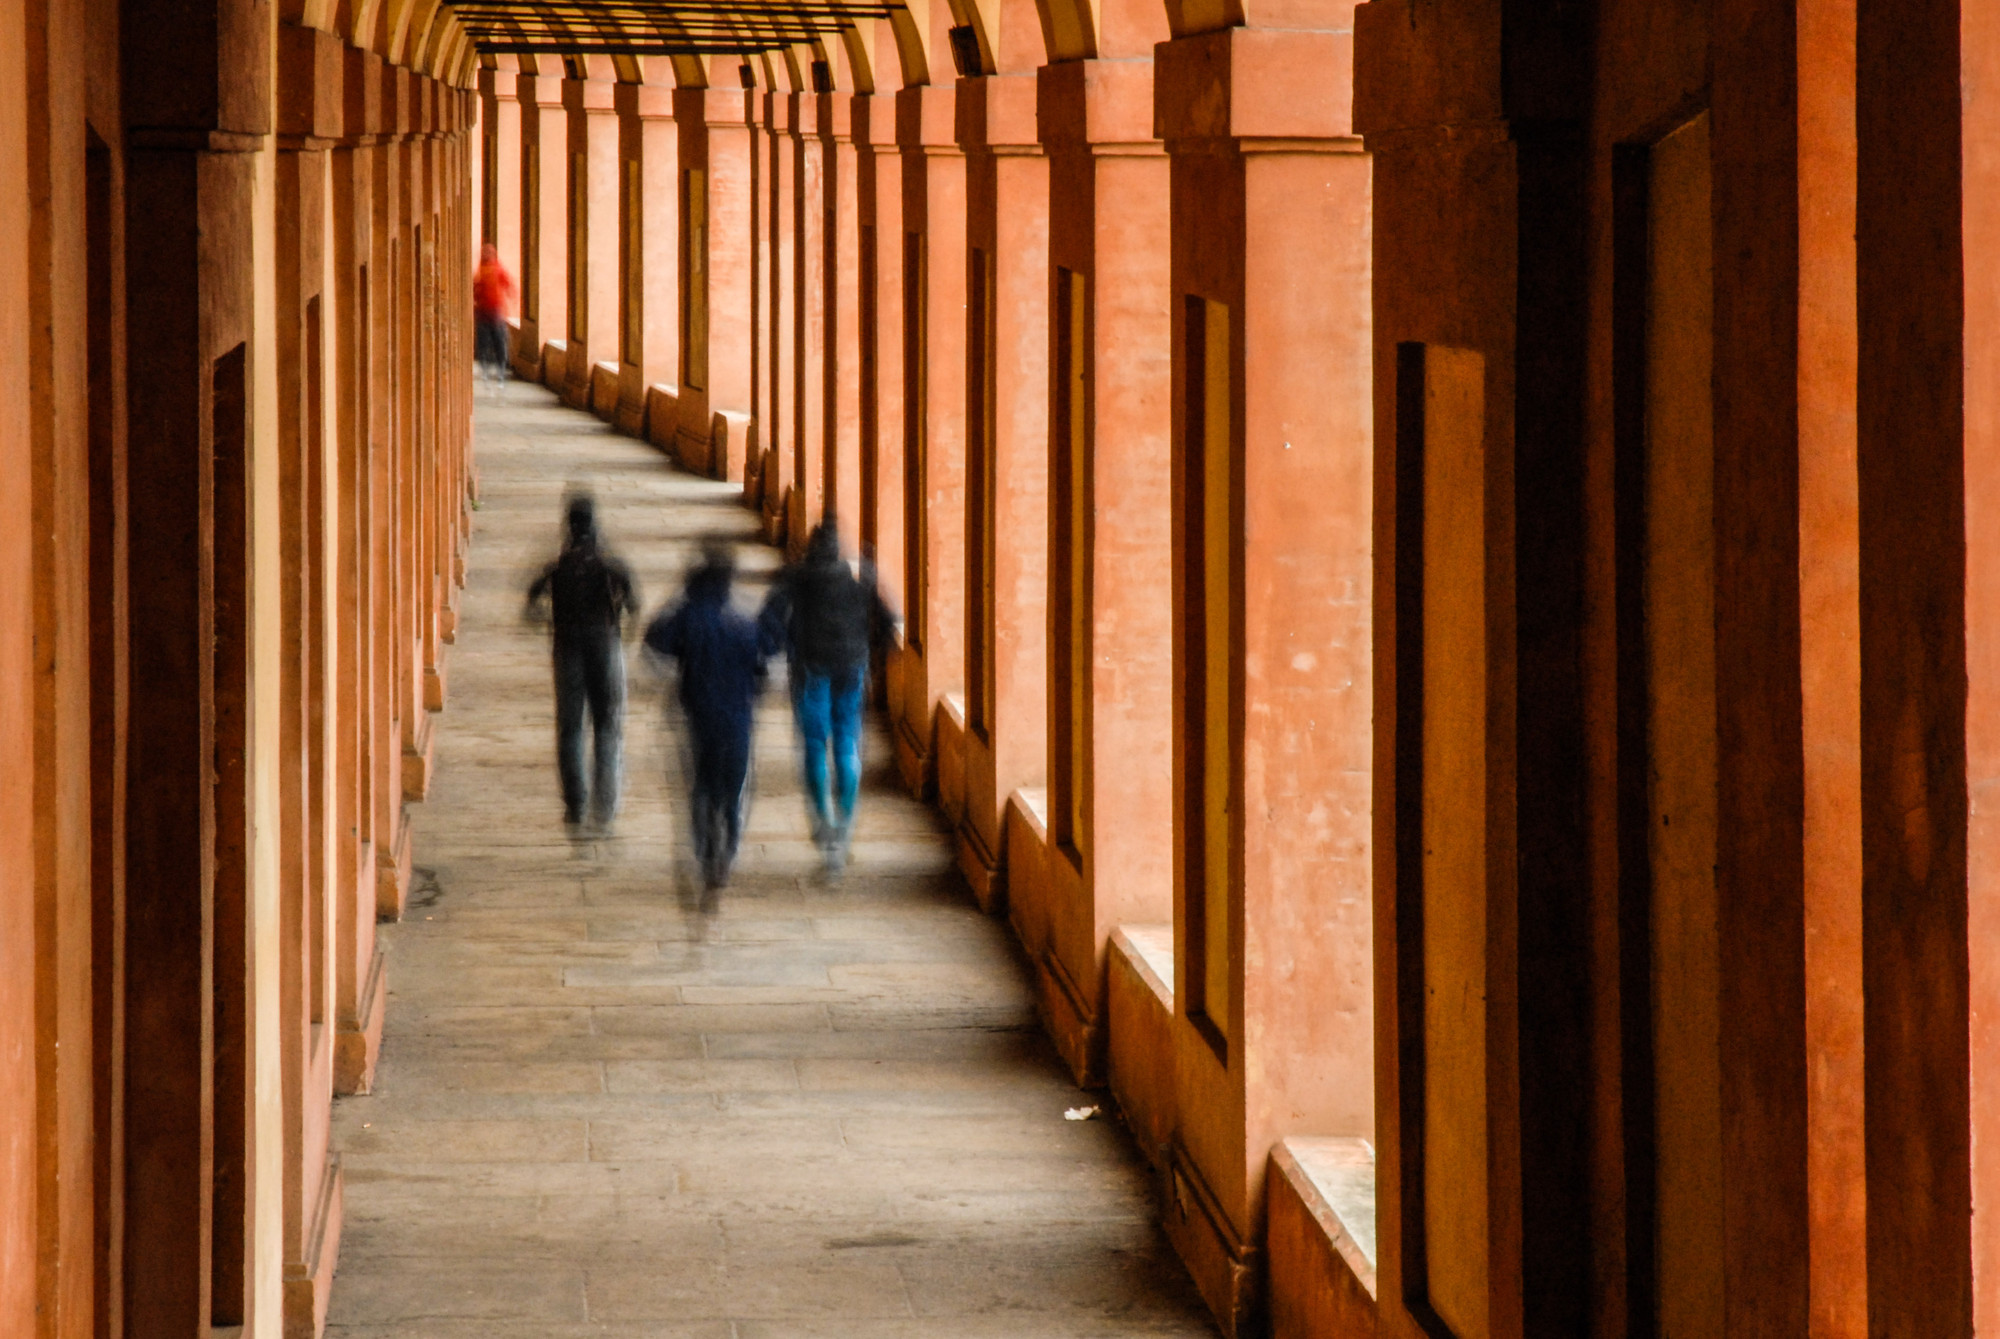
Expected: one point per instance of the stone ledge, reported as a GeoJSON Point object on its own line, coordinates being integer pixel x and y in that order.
{"type": "Point", "coordinates": [1321, 1238]}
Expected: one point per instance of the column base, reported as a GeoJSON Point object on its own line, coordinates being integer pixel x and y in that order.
{"type": "Point", "coordinates": [1228, 1271]}
{"type": "Point", "coordinates": [434, 681]}
{"type": "Point", "coordinates": [630, 415]}
{"type": "Point", "coordinates": [1139, 1034]}
{"type": "Point", "coordinates": [1072, 1021]}
{"type": "Point", "coordinates": [982, 867]}
{"type": "Point", "coordinates": [358, 1043]}
{"type": "Point", "coordinates": [309, 1281]}
{"type": "Point", "coordinates": [419, 755]}
{"type": "Point", "coordinates": [798, 527]}
{"type": "Point", "coordinates": [392, 875]}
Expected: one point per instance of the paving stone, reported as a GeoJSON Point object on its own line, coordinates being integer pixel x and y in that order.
{"type": "Point", "coordinates": [821, 1110]}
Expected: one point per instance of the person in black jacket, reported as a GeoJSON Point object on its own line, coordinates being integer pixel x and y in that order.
{"type": "Point", "coordinates": [722, 672]}
{"type": "Point", "coordinates": [589, 592]}
{"type": "Point", "coordinates": [827, 618]}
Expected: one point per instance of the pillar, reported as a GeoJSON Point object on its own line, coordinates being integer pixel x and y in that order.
{"type": "Point", "coordinates": [500, 223]}
{"type": "Point", "coordinates": [931, 663]}
{"type": "Point", "coordinates": [649, 253]}
{"type": "Point", "coordinates": [1007, 476]}
{"type": "Point", "coordinates": [309, 117]}
{"type": "Point", "coordinates": [812, 276]}
{"type": "Point", "coordinates": [1110, 617]}
{"type": "Point", "coordinates": [780, 362]}
{"type": "Point", "coordinates": [1271, 524]}
{"type": "Point", "coordinates": [843, 269]}
{"type": "Point", "coordinates": [593, 217]}
{"type": "Point", "coordinates": [717, 177]}
{"type": "Point", "coordinates": [885, 328]}
{"type": "Point", "coordinates": [359, 984]}
{"type": "Point", "coordinates": [544, 221]}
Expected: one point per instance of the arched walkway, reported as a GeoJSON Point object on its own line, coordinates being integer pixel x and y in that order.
{"type": "Point", "coordinates": [827, 1110]}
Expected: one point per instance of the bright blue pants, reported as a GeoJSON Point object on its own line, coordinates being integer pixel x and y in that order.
{"type": "Point", "coordinates": [829, 711]}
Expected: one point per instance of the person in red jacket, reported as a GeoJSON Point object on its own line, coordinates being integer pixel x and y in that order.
{"type": "Point", "coordinates": [492, 296]}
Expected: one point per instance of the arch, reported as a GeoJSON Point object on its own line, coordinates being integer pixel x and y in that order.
{"type": "Point", "coordinates": [906, 33]}
{"type": "Point", "coordinates": [860, 74]}
{"type": "Point", "coordinates": [1012, 36]}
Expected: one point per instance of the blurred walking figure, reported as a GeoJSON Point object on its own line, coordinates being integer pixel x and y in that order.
{"type": "Point", "coordinates": [590, 593]}
{"type": "Point", "coordinates": [721, 674]}
{"type": "Point", "coordinates": [828, 619]}
{"type": "Point", "coordinates": [492, 295]}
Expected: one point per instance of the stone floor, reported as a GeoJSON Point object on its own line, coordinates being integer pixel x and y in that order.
{"type": "Point", "coordinates": [821, 1110]}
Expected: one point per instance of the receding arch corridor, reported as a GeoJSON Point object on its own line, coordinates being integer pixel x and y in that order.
{"type": "Point", "coordinates": [825, 1111]}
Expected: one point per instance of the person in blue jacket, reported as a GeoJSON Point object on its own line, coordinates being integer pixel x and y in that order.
{"type": "Point", "coordinates": [827, 617]}
{"type": "Point", "coordinates": [722, 671]}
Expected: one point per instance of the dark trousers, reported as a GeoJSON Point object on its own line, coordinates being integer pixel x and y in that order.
{"type": "Point", "coordinates": [590, 680]}
{"type": "Point", "coordinates": [719, 795]}
{"type": "Point", "coordinates": [490, 341]}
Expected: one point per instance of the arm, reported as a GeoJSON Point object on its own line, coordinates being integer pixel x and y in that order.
{"type": "Point", "coordinates": [882, 618]}
{"type": "Point", "coordinates": [538, 591]}
{"type": "Point", "coordinates": [624, 591]}
{"type": "Point", "coordinates": [664, 638]}
{"type": "Point", "coordinates": [775, 620]}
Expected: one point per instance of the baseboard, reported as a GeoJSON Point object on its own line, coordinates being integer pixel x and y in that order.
{"type": "Point", "coordinates": [392, 876]}
{"type": "Point", "coordinates": [1228, 1271]}
{"type": "Point", "coordinates": [1072, 1022]}
{"type": "Point", "coordinates": [419, 756]}
{"type": "Point", "coordinates": [982, 869]}
{"type": "Point", "coordinates": [358, 1044]}
{"type": "Point", "coordinates": [913, 762]}
{"type": "Point", "coordinates": [309, 1280]}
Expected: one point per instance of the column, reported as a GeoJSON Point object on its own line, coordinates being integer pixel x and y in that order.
{"type": "Point", "coordinates": [502, 201]}
{"type": "Point", "coordinates": [1110, 617]}
{"type": "Point", "coordinates": [649, 259]}
{"type": "Point", "coordinates": [1007, 474]}
{"type": "Point", "coordinates": [593, 183]}
{"type": "Point", "coordinates": [781, 364]}
{"type": "Point", "coordinates": [1271, 526]}
{"type": "Point", "coordinates": [717, 177]}
{"type": "Point", "coordinates": [544, 222]}
{"type": "Point", "coordinates": [807, 499]}
{"type": "Point", "coordinates": [359, 986]}
{"type": "Point", "coordinates": [932, 660]}
{"type": "Point", "coordinates": [884, 328]}
{"type": "Point", "coordinates": [845, 270]}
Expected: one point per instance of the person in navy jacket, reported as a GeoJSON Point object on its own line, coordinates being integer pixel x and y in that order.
{"type": "Point", "coordinates": [722, 671]}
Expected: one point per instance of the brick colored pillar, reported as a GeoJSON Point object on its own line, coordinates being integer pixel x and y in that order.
{"type": "Point", "coordinates": [544, 221]}
{"type": "Point", "coordinates": [811, 275]}
{"type": "Point", "coordinates": [843, 270]}
{"type": "Point", "coordinates": [717, 174]}
{"type": "Point", "coordinates": [883, 327]}
{"type": "Point", "coordinates": [780, 356]}
{"type": "Point", "coordinates": [593, 233]}
{"type": "Point", "coordinates": [1007, 474]}
{"type": "Point", "coordinates": [359, 986]}
{"type": "Point", "coordinates": [649, 252]}
{"type": "Point", "coordinates": [932, 659]}
{"type": "Point", "coordinates": [501, 202]}
{"type": "Point", "coordinates": [1110, 617]}
{"type": "Point", "coordinates": [1272, 450]}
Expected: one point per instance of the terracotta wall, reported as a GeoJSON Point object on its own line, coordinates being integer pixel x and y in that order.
{"type": "Point", "coordinates": [248, 562]}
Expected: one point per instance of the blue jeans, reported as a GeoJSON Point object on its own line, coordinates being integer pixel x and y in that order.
{"type": "Point", "coordinates": [829, 709]}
